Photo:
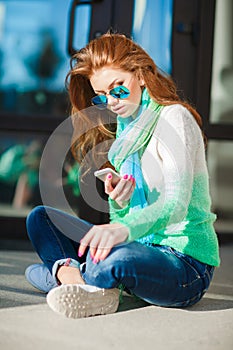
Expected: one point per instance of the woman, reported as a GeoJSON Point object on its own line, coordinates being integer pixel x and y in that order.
{"type": "Point", "coordinates": [160, 243]}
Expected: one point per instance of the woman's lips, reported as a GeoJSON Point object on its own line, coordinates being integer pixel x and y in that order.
{"type": "Point", "coordinates": [118, 110]}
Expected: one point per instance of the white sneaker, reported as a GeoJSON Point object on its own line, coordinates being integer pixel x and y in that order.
{"type": "Point", "coordinates": [82, 300]}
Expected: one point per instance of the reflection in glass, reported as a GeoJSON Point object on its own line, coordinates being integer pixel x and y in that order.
{"type": "Point", "coordinates": [82, 26]}
{"type": "Point", "coordinates": [220, 164]}
{"type": "Point", "coordinates": [19, 170]}
{"type": "Point", "coordinates": [152, 29]}
{"type": "Point", "coordinates": [19, 175]}
{"type": "Point", "coordinates": [33, 56]}
{"type": "Point", "coordinates": [222, 77]}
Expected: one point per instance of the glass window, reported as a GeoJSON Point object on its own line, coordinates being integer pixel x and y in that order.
{"type": "Point", "coordinates": [220, 164]}
{"type": "Point", "coordinates": [20, 157]}
{"type": "Point", "coordinates": [221, 110]}
{"type": "Point", "coordinates": [152, 29]}
{"type": "Point", "coordinates": [33, 65]}
{"type": "Point", "coordinates": [19, 171]}
{"type": "Point", "coordinates": [33, 54]}
{"type": "Point", "coordinates": [81, 26]}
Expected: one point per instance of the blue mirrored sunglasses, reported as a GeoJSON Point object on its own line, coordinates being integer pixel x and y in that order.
{"type": "Point", "coordinates": [101, 101]}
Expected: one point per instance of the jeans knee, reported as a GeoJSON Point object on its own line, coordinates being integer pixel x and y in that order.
{"type": "Point", "coordinates": [107, 273]}
{"type": "Point", "coordinates": [33, 218]}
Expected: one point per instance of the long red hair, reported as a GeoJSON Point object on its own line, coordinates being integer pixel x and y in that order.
{"type": "Point", "coordinates": [120, 52]}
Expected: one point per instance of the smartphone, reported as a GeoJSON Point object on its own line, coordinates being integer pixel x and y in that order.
{"type": "Point", "coordinates": [101, 174]}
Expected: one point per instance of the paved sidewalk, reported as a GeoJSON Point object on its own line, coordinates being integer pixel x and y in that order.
{"type": "Point", "coordinates": [26, 322]}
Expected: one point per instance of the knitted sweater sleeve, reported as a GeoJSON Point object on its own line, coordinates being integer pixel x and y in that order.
{"type": "Point", "coordinates": [178, 138]}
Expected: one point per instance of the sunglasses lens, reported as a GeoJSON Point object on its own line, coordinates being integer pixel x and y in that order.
{"type": "Point", "coordinates": [120, 92]}
{"type": "Point", "coordinates": [99, 100]}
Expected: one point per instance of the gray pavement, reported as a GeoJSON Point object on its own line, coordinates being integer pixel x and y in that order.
{"type": "Point", "coordinates": [26, 322]}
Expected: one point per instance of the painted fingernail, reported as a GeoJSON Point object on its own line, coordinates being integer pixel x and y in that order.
{"type": "Point", "coordinates": [125, 177]}
{"type": "Point", "coordinates": [109, 176]}
{"type": "Point", "coordinates": [95, 261]}
{"type": "Point", "coordinates": [131, 177]}
{"type": "Point", "coordinates": [79, 254]}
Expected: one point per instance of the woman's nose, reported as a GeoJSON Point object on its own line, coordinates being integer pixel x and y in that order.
{"type": "Point", "coordinates": [112, 101]}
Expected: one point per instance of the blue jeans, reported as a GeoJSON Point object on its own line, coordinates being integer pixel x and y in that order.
{"type": "Point", "coordinates": [157, 274]}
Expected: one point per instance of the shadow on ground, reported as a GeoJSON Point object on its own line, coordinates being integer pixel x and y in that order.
{"type": "Point", "coordinates": [15, 291]}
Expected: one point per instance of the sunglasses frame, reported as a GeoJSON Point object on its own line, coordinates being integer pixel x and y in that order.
{"type": "Point", "coordinates": [119, 95]}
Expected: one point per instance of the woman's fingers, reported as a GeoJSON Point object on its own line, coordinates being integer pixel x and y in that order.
{"type": "Point", "coordinates": [120, 187]}
{"type": "Point", "coordinates": [122, 191]}
{"type": "Point", "coordinates": [127, 191]}
{"type": "Point", "coordinates": [108, 184]}
{"type": "Point", "coordinates": [102, 254]}
{"type": "Point", "coordinates": [98, 240]}
{"type": "Point", "coordinates": [123, 196]}
{"type": "Point", "coordinates": [101, 239]}
{"type": "Point", "coordinates": [85, 242]}
{"type": "Point", "coordinates": [103, 249]}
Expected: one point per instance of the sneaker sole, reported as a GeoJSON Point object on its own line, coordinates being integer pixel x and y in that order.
{"type": "Point", "coordinates": [73, 301]}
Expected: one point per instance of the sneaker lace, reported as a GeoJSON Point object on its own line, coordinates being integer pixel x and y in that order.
{"type": "Point", "coordinates": [48, 279]}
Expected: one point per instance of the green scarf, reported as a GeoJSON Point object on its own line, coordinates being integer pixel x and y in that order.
{"type": "Point", "coordinates": [133, 135]}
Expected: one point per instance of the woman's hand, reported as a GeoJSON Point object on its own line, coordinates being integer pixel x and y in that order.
{"type": "Point", "coordinates": [101, 239]}
{"type": "Point", "coordinates": [122, 191]}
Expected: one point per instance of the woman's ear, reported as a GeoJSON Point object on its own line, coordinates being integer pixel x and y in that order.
{"type": "Point", "coordinates": [142, 83]}
{"type": "Point", "coordinates": [141, 79]}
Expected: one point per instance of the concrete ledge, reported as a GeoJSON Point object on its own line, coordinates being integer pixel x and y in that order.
{"type": "Point", "coordinates": [26, 322]}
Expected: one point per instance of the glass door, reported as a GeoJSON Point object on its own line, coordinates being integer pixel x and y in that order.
{"type": "Point", "coordinates": [34, 62]}
{"type": "Point", "coordinates": [220, 148]}
{"type": "Point", "coordinates": [36, 40]}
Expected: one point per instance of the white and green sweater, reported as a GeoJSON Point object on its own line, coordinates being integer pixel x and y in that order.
{"type": "Point", "coordinates": [177, 187]}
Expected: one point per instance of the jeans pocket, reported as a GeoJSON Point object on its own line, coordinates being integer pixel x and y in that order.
{"type": "Point", "coordinates": [194, 279]}
{"type": "Point", "coordinates": [192, 275]}
{"type": "Point", "coordinates": [195, 270]}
